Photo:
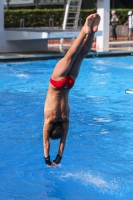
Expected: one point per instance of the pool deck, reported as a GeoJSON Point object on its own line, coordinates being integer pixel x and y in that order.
{"type": "Point", "coordinates": [119, 48]}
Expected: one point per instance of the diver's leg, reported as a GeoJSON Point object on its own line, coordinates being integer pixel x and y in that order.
{"type": "Point", "coordinates": [85, 49]}
{"type": "Point", "coordinates": [63, 67]}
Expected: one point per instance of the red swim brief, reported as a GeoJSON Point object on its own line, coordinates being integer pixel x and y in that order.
{"type": "Point", "coordinates": [66, 83]}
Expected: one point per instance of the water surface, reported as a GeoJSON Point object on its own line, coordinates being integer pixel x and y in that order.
{"type": "Point", "coordinates": [97, 163]}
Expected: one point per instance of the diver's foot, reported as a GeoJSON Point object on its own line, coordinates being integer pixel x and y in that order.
{"type": "Point", "coordinates": [88, 23]}
{"type": "Point", "coordinates": [96, 21]}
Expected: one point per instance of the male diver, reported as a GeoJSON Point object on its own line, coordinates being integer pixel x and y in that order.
{"type": "Point", "coordinates": [56, 109]}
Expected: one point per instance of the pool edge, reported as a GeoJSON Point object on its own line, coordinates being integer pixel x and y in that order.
{"type": "Point", "coordinates": [49, 55]}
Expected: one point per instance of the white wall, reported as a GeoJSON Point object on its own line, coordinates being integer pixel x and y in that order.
{"type": "Point", "coordinates": [22, 46]}
{"type": "Point", "coordinates": [29, 45]}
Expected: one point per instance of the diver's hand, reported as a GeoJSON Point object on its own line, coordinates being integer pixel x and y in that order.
{"type": "Point", "coordinates": [57, 159]}
{"type": "Point", "coordinates": [53, 164]}
{"type": "Point", "coordinates": [48, 161]}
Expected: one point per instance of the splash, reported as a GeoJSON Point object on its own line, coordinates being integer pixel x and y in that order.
{"type": "Point", "coordinates": [102, 120]}
{"type": "Point", "coordinates": [22, 75]}
{"type": "Point", "coordinates": [87, 178]}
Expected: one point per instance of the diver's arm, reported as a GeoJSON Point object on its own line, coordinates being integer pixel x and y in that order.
{"type": "Point", "coordinates": [58, 158]}
{"type": "Point", "coordinates": [46, 143]}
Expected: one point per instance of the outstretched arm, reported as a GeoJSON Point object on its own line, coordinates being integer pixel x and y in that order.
{"type": "Point", "coordinates": [58, 158]}
{"type": "Point", "coordinates": [46, 143]}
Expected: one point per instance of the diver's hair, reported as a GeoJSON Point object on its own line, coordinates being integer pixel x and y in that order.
{"type": "Point", "coordinates": [56, 131]}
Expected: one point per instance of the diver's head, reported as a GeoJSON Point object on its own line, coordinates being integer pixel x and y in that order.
{"type": "Point", "coordinates": [56, 131]}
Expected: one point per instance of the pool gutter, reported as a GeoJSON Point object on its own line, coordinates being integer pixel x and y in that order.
{"type": "Point", "coordinates": [52, 55]}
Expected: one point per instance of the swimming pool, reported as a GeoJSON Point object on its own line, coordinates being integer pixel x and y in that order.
{"type": "Point", "coordinates": [97, 162]}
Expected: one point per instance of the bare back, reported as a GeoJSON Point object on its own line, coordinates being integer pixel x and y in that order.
{"type": "Point", "coordinates": [56, 106]}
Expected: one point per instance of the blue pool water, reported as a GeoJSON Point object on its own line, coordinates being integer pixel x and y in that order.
{"type": "Point", "coordinates": [97, 162]}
